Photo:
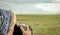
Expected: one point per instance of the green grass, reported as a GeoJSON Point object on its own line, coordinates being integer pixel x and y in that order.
{"type": "Point", "coordinates": [42, 24]}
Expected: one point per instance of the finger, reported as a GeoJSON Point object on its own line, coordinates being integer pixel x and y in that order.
{"type": "Point", "coordinates": [22, 29]}
{"type": "Point", "coordinates": [27, 28]}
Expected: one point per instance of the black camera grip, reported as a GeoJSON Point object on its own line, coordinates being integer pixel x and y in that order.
{"type": "Point", "coordinates": [17, 30]}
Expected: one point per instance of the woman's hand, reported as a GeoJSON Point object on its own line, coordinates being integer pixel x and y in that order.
{"type": "Point", "coordinates": [26, 32]}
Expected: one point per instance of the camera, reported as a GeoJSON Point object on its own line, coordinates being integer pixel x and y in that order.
{"type": "Point", "coordinates": [17, 30]}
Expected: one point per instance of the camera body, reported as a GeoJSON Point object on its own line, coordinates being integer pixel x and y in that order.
{"type": "Point", "coordinates": [17, 30]}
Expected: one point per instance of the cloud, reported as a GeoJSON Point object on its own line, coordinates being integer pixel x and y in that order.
{"type": "Point", "coordinates": [37, 8]}
{"type": "Point", "coordinates": [31, 6]}
{"type": "Point", "coordinates": [3, 2]}
{"type": "Point", "coordinates": [53, 7]}
{"type": "Point", "coordinates": [28, 1]}
{"type": "Point", "coordinates": [6, 5]}
{"type": "Point", "coordinates": [56, 1]}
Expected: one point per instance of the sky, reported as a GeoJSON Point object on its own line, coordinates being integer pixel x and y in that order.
{"type": "Point", "coordinates": [31, 6]}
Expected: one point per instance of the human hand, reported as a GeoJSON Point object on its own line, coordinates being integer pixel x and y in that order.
{"type": "Point", "coordinates": [26, 32]}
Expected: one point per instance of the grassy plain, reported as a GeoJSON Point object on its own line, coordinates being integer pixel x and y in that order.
{"type": "Point", "coordinates": [41, 24]}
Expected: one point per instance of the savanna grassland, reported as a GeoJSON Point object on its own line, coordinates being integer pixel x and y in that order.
{"type": "Point", "coordinates": [41, 24]}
